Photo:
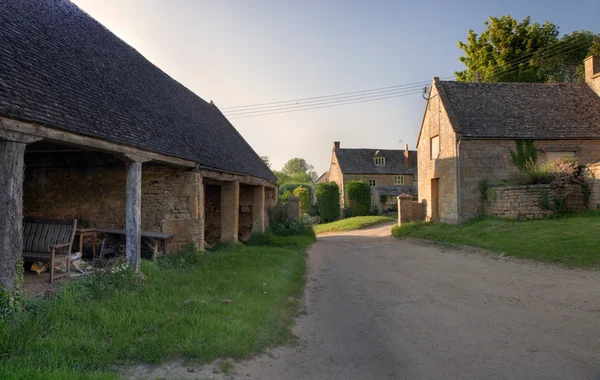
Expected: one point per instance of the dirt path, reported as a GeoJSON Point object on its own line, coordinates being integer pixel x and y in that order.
{"type": "Point", "coordinates": [378, 308]}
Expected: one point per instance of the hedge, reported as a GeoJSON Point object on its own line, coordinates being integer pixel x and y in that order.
{"type": "Point", "coordinates": [304, 195]}
{"type": "Point", "coordinates": [358, 194]}
{"type": "Point", "coordinates": [328, 199]}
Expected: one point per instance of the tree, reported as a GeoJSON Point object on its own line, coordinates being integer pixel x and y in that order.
{"type": "Point", "coordinates": [266, 160]}
{"type": "Point", "coordinates": [296, 165]}
{"type": "Point", "coordinates": [511, 51]}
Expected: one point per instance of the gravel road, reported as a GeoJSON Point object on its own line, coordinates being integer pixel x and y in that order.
{"type": "Point", "coordinates": [379, 308]}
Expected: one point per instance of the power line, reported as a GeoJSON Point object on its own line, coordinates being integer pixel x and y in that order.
{"type": "Point", "coordinates": [327, 106]}
{"type": "Point", "coordinates": [325, 101]}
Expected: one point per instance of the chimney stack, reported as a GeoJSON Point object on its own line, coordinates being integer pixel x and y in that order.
{"type": "Point", "coordinates": [592, 73]}
{"type": "Point", "coordinates": [336, 145]}
{"type": "Point", "coordinates": [407, 158]}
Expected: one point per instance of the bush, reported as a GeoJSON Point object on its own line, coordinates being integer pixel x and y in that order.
{"type": "Point", "coordinates": [288, 227]}
{"type": "Point", "coordinates": [532, 174]}
{"type": "Point", "coordinates": [283, 198]}
{"type": "Point", "coordinates": [291, 186]}
{"type": "Point", "coordinates": [328, 199]}
{"type": "Point", "coordinates": [305, 201]}
{"type": "Point", "coordinates": [358, 194]}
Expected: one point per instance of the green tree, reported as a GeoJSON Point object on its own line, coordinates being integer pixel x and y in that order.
{"type": "Point", "coordinates": [266, 160]}
{"type": "Point", "coordinates": [512, 51]}
{"type": "Point", "coordinates": [296, 170]}
{"type": "Point", "coordinates": [296, 165]}
{"type": "Point", "coordinates": [358, 194]}
{"type": "Point", "coordinates": [304, 195]}
{"type": "Point", "coordinates": [328, 200]}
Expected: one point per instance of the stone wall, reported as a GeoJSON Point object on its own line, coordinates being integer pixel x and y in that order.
{"type": "Point", "coordinates": [212, 209]}
{"type": "Point", "coordinates": [381, 179]}
{"type": "Point", "coordinates": [96, 197]}
{"type": "Point", "coordinates": [409, 210]}
{"type": "Point", "coordinates": [491, 159]}
{"type": "Point", "coordinates": [525, 202]}
{"type": "Point", "coordinates": [443, 168]}
{"type": "Point", "coordinates": [245, 221]}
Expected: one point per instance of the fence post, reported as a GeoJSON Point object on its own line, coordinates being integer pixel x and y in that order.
{"type": "Point", "coordinates": [405, 209]}
{"type": "Point", "coordinates": [293, 208]}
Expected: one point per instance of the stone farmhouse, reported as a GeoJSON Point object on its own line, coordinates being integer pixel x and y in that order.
{"type": "Point", "coordinates": [468, 130]}
{"type": "Point", "coordinates": [90, 129]}
{"type": "Point", "coordinates": [389, 172]}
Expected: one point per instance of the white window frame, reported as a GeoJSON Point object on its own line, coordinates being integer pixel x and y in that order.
{"type": "Point", "coordinates": [379, 160]}
{"type": "Point", "coordinates": [372, 182]}
{"type": "Point", "coordinates": [399, 180]}
{"type": "Point", "coordinates": [434, 156]}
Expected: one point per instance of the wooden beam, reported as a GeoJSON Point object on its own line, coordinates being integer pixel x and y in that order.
{"type": "Point", "coordinates": [89, 142]}
{"type": "Point", "coordinates": [133, 223]}
{"type": "Point", "coordinates": [228, 177]}
{"type": "Point", "coordinates": [12, 170]}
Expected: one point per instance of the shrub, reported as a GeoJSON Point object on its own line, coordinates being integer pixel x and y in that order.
{"type": "Point", "coordinates": [483, 187]}
{"type": "Point", "coordinates": [383, 198]}
{"type": "Point", "coordinates": [288, 227]}
{"type": "Point", "coordinates": [358, 194]}
{"type": "Point", "coordinates": [328, 199]}
{"type": "Point", "coordinates": [304, 195]}
{"type": "Point", "coordinates": [283, 198]}
{"type": "Point", "coordinates": [526, 153]}
{"type": "Point", "coordinates": [291, 186]}
{"type": "Point", "coordinates": [532, 174]}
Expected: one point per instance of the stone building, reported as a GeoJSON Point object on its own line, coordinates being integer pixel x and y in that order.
{"type": "Point", "coordinates": [469, 129]}
{"type": "Point", "coordinates": [389, 172]}
{"type": "Point", "coordinates": [108, 138]}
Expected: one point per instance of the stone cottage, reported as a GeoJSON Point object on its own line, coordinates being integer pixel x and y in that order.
{"type": "Point", "coordinates": [90, 129]}
{"type": "Point", "coordinates": [468, 130]}
{"type": "Point", "coordinates": [389, 172]}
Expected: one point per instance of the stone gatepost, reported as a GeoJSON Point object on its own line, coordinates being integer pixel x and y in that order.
{"type": "Point", "coordinates": [230, 206]}
{"type": "Point", "coordinates": [293, 208]}
{"type": "Point", "coordinates": [405, 209]}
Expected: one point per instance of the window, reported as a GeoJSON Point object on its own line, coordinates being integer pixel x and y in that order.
{"type": "Point", "coordinates": [552, 156]}
{"type": "Point", "coordinates": [435, 147]}
{"type": "Point", "coordinates": [379, 160]}
{"type": "Point", "coordinates": [399, 180]}
{"type": "Point", "coordinates": [372, 182]}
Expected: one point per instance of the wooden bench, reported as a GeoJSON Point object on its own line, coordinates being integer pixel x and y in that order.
{"type": "Point", "coordinates": [48, 240]}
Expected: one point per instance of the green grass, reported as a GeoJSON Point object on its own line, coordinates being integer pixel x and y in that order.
{"type": "Point", "coordinates": [94, 325]}
{"type": "Point", "coordinates": [571, 240]}
{"type": "Point", "coordinates": [349, 224]}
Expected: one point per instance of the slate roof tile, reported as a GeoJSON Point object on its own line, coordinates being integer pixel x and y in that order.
{"type": "Point", "coordinates": [361, 161]}
{"type": "Point", "coordinates": [61, 68]}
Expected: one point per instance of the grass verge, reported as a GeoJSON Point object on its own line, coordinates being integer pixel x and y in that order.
{"type": "Point", "coordinates": [572, 240]}
{"type": "Point", "coordinates": [229, 303]}
{"type": "Point", "coordinates": [354, 223]}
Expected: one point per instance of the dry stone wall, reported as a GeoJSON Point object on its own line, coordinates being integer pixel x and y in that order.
{"type": "Point", "coordinates": [527, 202]}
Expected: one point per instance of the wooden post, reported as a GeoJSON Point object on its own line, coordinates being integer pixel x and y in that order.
{"type": "Point", "coordinates": [12, 171]}
{"type": "Point", "coordinates": [133, 212]}
{"type": "Point", "coordinates": [258, 210]}
{"type": "Point", "coordinates": [230, 207]}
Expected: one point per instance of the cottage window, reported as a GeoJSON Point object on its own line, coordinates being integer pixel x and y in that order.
{"type": "Point", "coordinates": [552, 156]}
{"type": "Point", "coordinates": [399, 180]}
{"type": "Point", "coordinates": [379, 160]}
{"type": "Point", "coordinates": [435, 147]}
{"type": "Point", "coordinates": [372, 182]}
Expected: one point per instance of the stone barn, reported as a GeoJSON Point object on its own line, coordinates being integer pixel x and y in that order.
{"type": "Point", "coordinates": [93, 131]}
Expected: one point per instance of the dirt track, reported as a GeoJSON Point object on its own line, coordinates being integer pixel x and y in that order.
{"type": "Point", "coordinates": [378, 308]}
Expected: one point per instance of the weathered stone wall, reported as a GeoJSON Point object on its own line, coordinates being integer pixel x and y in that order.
{"type": "Point", "coordinates": [491, 159]}
{"type": "Point", "coordinates": [525, 202]}
{"type": "Point", "coordinates": [212, 210]}
{"type": "Point", "coordinates": [409, 210]}
{"type": "Point", "coordinates": [96, 197]}
{"type": "Point", "coordinates": [245, 221]}
{"type": "Point", "coordinates": [436, 123]}
{"type": "Point", "coordinates": [381, 179]}
{"type": "Point", "coordinates": [592, 73]}
{"type": "Point", "coordinates": [336, 175]}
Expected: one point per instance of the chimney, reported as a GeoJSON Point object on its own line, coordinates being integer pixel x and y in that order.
{"type": "Point", "coordinates": [592, 73]}
{"type": "Point", "coordinates": [336, 145]}
{"type": "Point", "coordinates": [407, 158]}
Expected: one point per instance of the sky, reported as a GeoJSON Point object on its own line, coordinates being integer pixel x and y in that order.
{"type": "Point", "coordinates": [239, 53]}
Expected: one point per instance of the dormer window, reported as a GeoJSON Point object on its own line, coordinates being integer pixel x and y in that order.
{"type": "Point", "coordinates": [379, 160]}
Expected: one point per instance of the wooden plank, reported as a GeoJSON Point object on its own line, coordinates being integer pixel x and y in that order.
{"type": "Point", "coordinates": [29, 243]}
{"type": "Point", "coordinates": [26, 232]}
{"type": "Point", "coordinates": [40, 239]}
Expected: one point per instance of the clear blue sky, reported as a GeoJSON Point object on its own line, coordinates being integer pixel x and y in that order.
{"type": "Point", "coordinates": [242, 52]}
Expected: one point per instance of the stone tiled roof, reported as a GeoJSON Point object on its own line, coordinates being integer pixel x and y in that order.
{"type": "Point", "coordinates": [361, 161]}
{"type": "Point", "coordinates": [523, 110]}
{"type": "Point", "coordinates": [394, 191]}
{"type": "Point", "coordinates": [61, 68]}
{"type": "Point", "coordinates": [323, 177]}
